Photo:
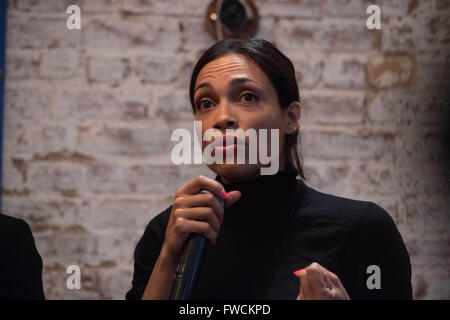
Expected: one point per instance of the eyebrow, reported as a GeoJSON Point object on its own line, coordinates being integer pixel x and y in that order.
{"type": "Point", "coordinates": [233, 83]}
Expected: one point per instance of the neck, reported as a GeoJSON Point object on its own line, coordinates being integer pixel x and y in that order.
{"type": "Point", "coordinates": [251, 174]}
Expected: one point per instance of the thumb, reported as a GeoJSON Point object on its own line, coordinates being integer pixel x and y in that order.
{"type": "Point", "coordinates": [233, 196]}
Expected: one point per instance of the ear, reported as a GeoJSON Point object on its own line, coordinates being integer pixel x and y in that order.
{"type": "Point", "coordinates": [293, 113]}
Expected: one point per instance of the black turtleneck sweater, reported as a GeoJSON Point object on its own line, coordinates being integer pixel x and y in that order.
{"type": "Point", "coordinates": [280, 225]}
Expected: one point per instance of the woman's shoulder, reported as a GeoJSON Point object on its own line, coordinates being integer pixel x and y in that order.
{"type": "Point", "coordinates": [362, 213]}
{"type": "Point", "coordinates": [158, 223]}
{"type": "Point", "coordinates": [13, 227]}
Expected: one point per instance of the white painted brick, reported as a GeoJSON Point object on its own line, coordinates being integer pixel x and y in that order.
{"type": "Point", "coordinates": [344, 72]}
{"type": "Point", "coordinates": [112, 71]}
{"type": "Point", "coordinates": [337, 145]}
{"type": "Point", "coordinates": [40, 33]}
{"type": "Point", "coordinates": [158, 33]}
{"type": "Point", "coordinates": [323, 36]}
{"type": "Point", "coordinates": [333, 109]}
{"type": "Point", "coordinates": [57, 64]}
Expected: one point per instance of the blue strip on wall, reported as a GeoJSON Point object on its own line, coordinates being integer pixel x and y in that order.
{"type": "Point", "coordinates": [3, 6]}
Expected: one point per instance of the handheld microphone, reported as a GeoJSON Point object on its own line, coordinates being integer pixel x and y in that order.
{"type": "Point", "coordinates": [189, 264]}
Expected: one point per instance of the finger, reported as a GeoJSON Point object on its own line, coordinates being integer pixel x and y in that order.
{"type": "Point", "coordinates": [321, 286]}
{"type": "Point", "coordinates": [204, 228]}
{"type": "Point", "coordinates": [202, 182]}
{"type": "Point", "coordinates": [329, 277]}
{"type": "Point", "coordinates": [206, 214]}
{"type": "Point", "coordinates": [305, 285]}
{"type": "Point", "coordinates": [204, 200]}
{"type": "Point", "coordinates": [233, 197]}
{"type": "Point", "coordinates": [300, 295]}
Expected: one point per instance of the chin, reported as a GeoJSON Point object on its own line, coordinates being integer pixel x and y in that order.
{"type": "Point", "coordinates": [235, 172]}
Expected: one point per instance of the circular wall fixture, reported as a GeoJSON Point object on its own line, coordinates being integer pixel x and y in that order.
{"type": "Point", "coordinates": [236, 19]}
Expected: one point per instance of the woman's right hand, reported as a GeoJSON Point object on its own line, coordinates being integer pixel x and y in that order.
{"type": "Point", "coordinates": [196, 213]}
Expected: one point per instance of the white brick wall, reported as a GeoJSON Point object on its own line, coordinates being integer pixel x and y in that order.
{"type": "Point", "coordinates": [88, 117]}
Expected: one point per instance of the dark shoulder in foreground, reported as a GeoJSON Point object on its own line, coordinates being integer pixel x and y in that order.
{"type": "Point", "coordinates": [12, 228]}
{"type": "Point", "coordinates": [156, 228]}
{"type": "Point", "coordinates": [364, 214]}
{"type": "Point", "coordinates": [21, 272]}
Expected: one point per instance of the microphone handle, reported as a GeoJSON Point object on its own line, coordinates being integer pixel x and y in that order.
{"type": "Point", "coordinates": [189, 264]}
{"type": "Point", "coordinates": [188, 268]}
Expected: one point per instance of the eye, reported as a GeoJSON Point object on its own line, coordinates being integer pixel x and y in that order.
{"type": "Point", "coordinates": [204, 104]}
{"type": "Point", "coordinates": [250, 97]}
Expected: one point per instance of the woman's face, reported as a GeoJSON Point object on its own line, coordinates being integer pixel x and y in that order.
{"type": "Point", "coordinates": [232, 92]}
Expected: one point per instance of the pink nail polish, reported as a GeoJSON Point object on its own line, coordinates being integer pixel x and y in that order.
{"type": "Point", "coordinates": [221, 221]}
{"type": "Point", "coordinates": [224, 194]}
{"type": "Point", "coordinates": [298, 272]}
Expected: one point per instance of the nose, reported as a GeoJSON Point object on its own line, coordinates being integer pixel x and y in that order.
{"type": "Point", "coordinates": [225, 118]}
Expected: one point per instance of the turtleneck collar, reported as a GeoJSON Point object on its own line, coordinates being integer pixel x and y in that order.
{"type": "Point", "coordinates": [265, 191]}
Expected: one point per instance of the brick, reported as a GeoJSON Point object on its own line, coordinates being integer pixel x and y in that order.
{"type": "Point", "coordinates": [41, 213]}
{"type": "Point", "coordinates": [67, 247]}
{"type": "Point", "coordinates": [157, 68]}
{"type": "Point", "coordinates": [125, 214]}
{"type": "Point", "coordinates": [418, 178]}
{"type": "Point", "coordinates": [49, 6]}
{"type": "Point", "coordinates": [100, 6]}
{"type": "Point", "coordinates": [290, 8]}
{"type": "Point", "coordinates": [58, 139]}
{"type": "Point", "coordinates": [158, 33]}
{"type": "Point", "coordinates": [303, 35]}
{"type": "Point", "coordinates": [353, 179]}
{"type": "Point", "coordinates": [333, 109]}
{"type": "Point", "coordinates": [56, 288]}
{"type": "Point", "coordinates": [407, 107]}
{"type": "Point", "coordinates": [442, 4]}
{"type": "Point", "coordinates": [115, 245]}
{"type": "Point", "coordinates": [392, 9]}
{"type": "Point", "coordinates": [114, 284]}
{"type": "Point", "coordinates": [134, 142]}
{"type": "Point", "coordinates": [336, 145]}
{"type": "Point", "coordinates": [308, 69]}
{"type": "Point", "coordinates": [60, 64]}
{"type": "Point", "coordinates": [425, 146]}
{"type": "Point", "coordinates": [426, 215]}
{"type": "Point", "coordinates": [344, 72]}
{"type": "Point", "coordinates": [20, 138]}
{"type": "Point", "coordinates": [86, 105]}
{"type": "Point", "coordinates": [347, 8]}
{"type": "Point", "coordinates": [176, 7]}
{"type": "Point", "coordinates": [433, 75]}
{"type": "Point", "coordinates": [25, 103]}
{"type": "Point", "coordinates": [22, 64]}
{"type": "Point", "coordinates": [187, 62]}
{"type": "Point", "coordinates": [195, 36]}
{"type": "Point", "coordinates": [104, 177]}
{"type": "Point", "coordinates": [56, 176]}
{"type": "Point", "coordinates": [13, 177]}
{"type": "Point", "coordinates": [174, 105]}
{"type": "Point", "coordinates": [429, 31]}
{"type": "Point", "coordinates": [157, 179]}
{"type": "Point", "coordinates": [40, 33]}
{"type": "Point", "coordinates": [108, 70]}
{"type": "Point", "coordinates": [266, 29]}
{"type": "Point", "coordinates": [391, 70]}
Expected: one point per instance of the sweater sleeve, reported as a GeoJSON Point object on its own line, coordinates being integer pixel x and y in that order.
{"type": "Point", "coordinates": [146, 254]}
{"type": "Point", "coordinates": [385, 268]}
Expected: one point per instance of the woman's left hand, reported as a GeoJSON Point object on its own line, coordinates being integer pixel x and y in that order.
{"type": "Point", "coordinates": [317, 283]}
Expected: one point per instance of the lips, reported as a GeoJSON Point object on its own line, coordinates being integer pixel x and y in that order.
{"type": "Point", "coordinates": [229, 140]}
{"type": "Point", "coordinates": [226, 143]}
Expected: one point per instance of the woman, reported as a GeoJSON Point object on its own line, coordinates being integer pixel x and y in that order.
{"type": "Point", "coordinates": [270, 225]}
